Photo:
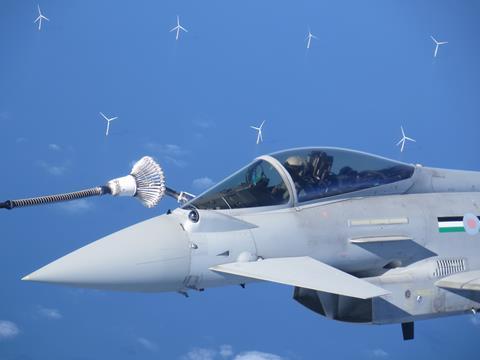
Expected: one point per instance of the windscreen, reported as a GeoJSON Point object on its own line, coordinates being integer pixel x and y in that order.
{"type": "Point", "coordinates": [258, 184]}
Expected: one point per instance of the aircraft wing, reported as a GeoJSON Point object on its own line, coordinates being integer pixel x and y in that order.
{"type": "Point", "coordinates": [304, 272]}
{"type": "Point", "coordinates": [469, 280]}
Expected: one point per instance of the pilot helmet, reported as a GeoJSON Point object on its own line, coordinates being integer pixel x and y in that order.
{"type": "Point", "coordinates": [295, 165]}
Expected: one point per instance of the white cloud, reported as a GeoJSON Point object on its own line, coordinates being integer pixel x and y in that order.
{"type": "Point", "coordinates": [177, 162]}
{"type": "Point", "coordinates": [226, 351]}
{"type": "Point", "coordinates": [55, 170]}
{"type": "Point", "coordinates": [8, 330]}
{"type": "Point", "coordinates": [166, 149]}
{"type": "Point", "coordinates": [54, 147]}
{"type": "Point", "coordinates": [202, 183]}
{"type": "Point", "coordinates": [53, 314]}
{"type": "Point", "coordinates": [256, 355]}
{"type": "Point", "coordinates": [200, 354]}
{"type": "Point", "coordinates": [379, 353]}
{"type": "Point", "coordinates": [172, 154]}
{"type": "Point", "coordinates": [76, 206]}
{"type": "Point", "coordinates": [147, 344]}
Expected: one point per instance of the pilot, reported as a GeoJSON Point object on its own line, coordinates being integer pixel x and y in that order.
{"type": "Point", "coordinates": [297, 167]}
{"type": "Point", "coordinates": [321, 165]}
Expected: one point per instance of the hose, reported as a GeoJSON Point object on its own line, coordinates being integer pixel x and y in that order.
{"type": "Point", "coordinates": [96, 191]}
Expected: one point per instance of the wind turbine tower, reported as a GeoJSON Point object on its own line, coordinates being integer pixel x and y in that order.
{"type": "Point", "coordinates": [259, 132]}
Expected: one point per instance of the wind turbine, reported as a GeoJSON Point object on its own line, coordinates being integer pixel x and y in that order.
{"type": "Point", "coordinates": [437, 45]}
{"type": "Point", "coordinates": [178, 28]}
{"type": "Point", "coordinates": [309, 38]}
{"type": "Point", "coordinates": [403, 139]}
{"type": "Point", "coordinates": [40, 18]}
{"type": "Point", "coordinates": [108, 121]}
{"type": "Point", "coordinates": [259, 129]}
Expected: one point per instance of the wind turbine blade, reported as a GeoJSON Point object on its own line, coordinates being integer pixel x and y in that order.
{"type": "Point", "coordinates": [408, 138]}
{"type": "Point", "coordinates": [436, 51]}
{"type": "Point", "coordinates": [182, 28]}
{"type": "Point", "coordinates": [434, 40]}
{"type": "Point", "coordinates": [46, 18]}
{"type": "Point", "coordinates": [255, 128]}
{"type": "Point", "coordinates": [263, 122]}
{"type": "Point", "coordinates": [114, 118]}
{"type": "Point", "coordinates": [38, 7]}
{"type": "Point", "coordinates": [38, 18]}
{"type": "Point", "coordinates": [173, 29]}
{"type": "Point", "coordinates": [398, 143]}
{"type": "Point", "coordinates": [108, 127]}
{"type": "Point", "coordinates": [104, 116]}
{"type": "Point", "coordinates": [260, 135]}
{"type": "Point", "coordinates": [403, 145]}
{"type": "Point", "coordinates": [403, 132]}
{"type": "Point", "coordinates": [178, 20]}
{"type": "Point", "coordinates": [443, 43]}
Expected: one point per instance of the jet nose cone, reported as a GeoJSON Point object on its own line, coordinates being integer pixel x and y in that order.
{"type": "Point", "coordinates": [153, 255]}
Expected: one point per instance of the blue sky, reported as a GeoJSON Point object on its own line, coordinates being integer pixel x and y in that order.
{"type": "Point", "coordinates": [190, 103]}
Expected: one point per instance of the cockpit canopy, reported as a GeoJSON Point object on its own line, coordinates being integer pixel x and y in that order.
{"type": "Point", "coordinates": [314, 173]}
{"type": "Point", "coordinates": [323, 172]}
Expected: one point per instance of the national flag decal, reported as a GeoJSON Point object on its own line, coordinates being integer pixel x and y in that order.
{"type": "Point", "coordinates": [468, 223]}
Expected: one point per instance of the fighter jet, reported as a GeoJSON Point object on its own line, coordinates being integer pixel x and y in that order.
{"type": "Point", "coordinates": [360, 238]}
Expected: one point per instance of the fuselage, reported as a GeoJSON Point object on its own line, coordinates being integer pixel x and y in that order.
{"type": "Point", "coordinates": [401, 233]}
